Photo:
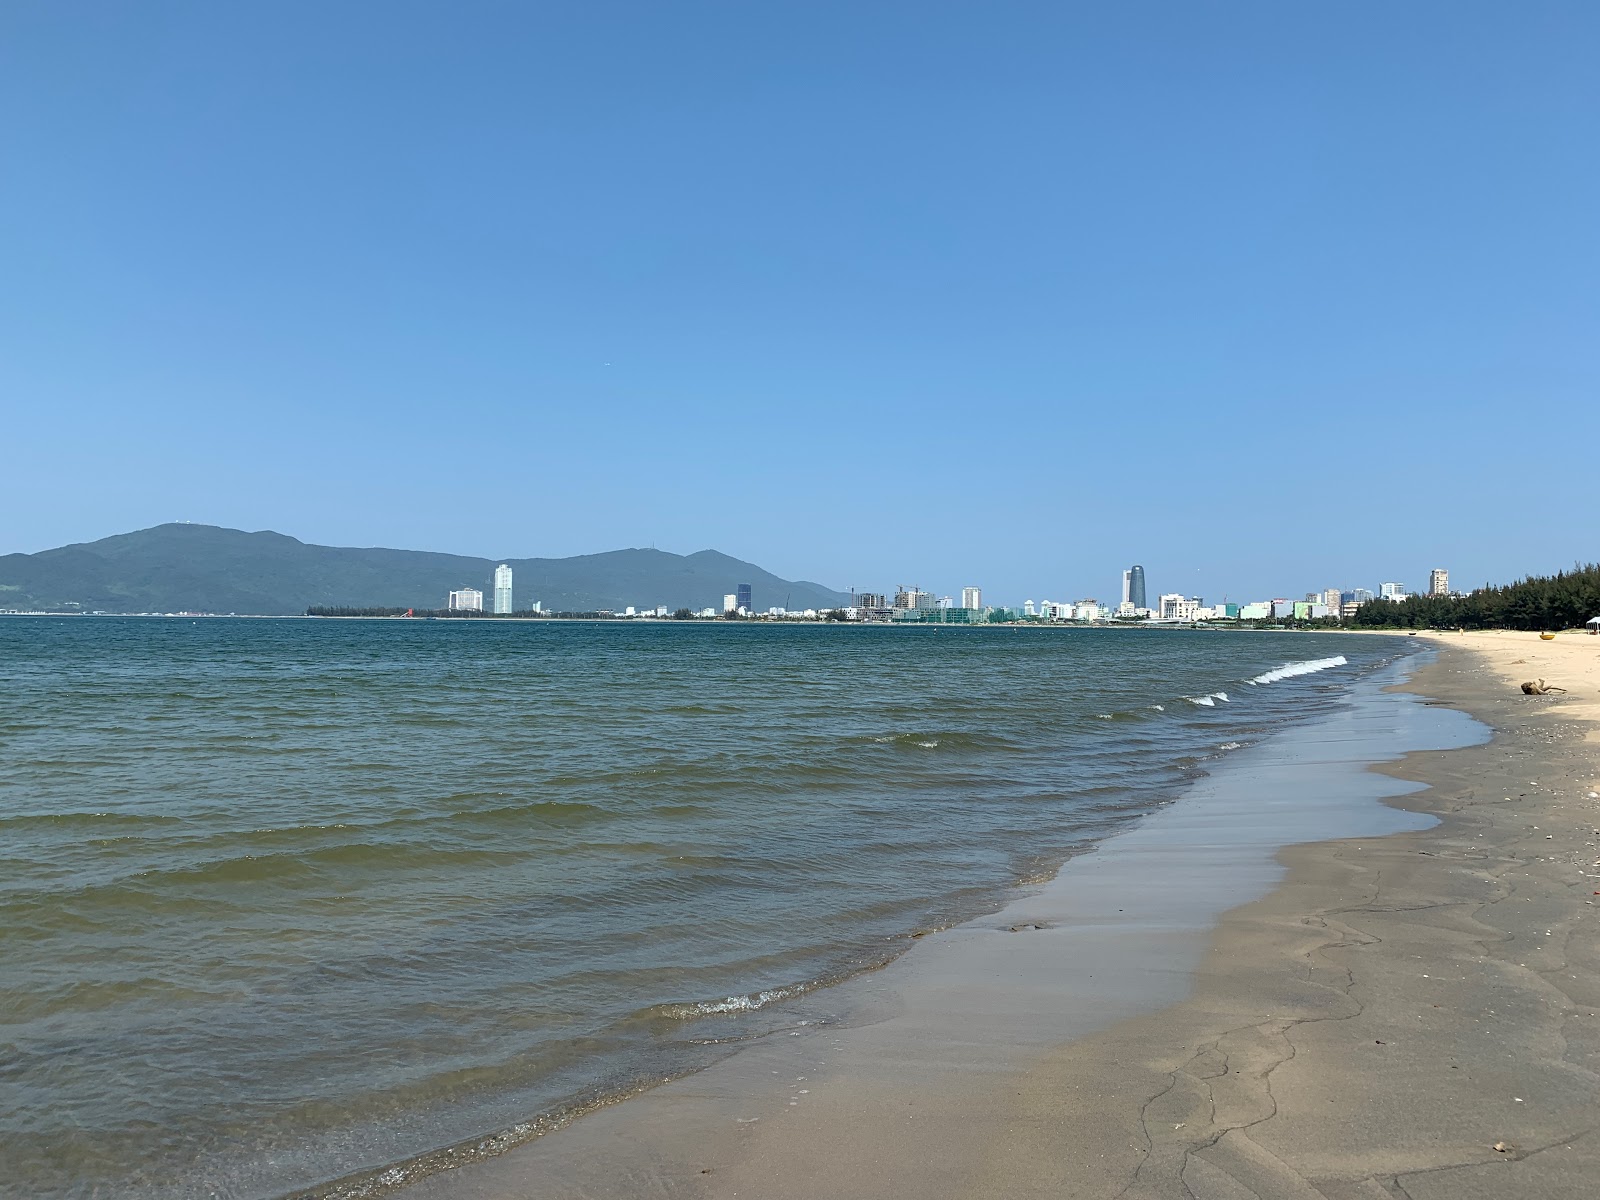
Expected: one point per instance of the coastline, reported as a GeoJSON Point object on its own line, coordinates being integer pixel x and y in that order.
{"type": "Point", "coordinates": [1278, 1073]}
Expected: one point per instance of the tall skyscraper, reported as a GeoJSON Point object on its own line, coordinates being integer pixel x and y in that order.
{"type": "Point", "coordinates": [743, 594]}
{"type": "Point", "coordinates": [1133, 586]}
{"type": "Point", "coordinates": [730, 602]}
{"type": "Point", "coordinates": [1438, 582]}
{"type": "Point", "coordinates": [971, 597]}
{"type": "Point", "coordinates": [502, 589]}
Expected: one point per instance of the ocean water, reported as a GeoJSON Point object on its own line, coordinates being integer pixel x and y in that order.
{"type": "Point", "coordinates": [284, 902]}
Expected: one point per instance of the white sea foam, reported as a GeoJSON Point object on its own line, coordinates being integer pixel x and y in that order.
{"type": "Point", "coordinates": [729, 1004]}
{"type": "Point", "coordinates": [1159, 707]}
{"type": "Point", "coordinates": [1230, 746]}
{"type": "Point", "coordinates": [1309, 667]}
{"type": "Point", "coordinates": [1203, 701]}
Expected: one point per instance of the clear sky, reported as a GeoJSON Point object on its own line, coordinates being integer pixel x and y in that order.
{"type": "Point", "coordinates": [1266, 297]}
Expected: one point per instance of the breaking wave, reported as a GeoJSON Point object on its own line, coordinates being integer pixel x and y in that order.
{"type": "Point", "coordinates": [1309, 667]}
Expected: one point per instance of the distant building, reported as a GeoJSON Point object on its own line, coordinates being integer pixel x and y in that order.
{"type": "Point", "coordinates": [1282, 607]}
{"type": "Point", "coordinates": [1133, 586]}
{"type": "Point", "coordinates": [971, 597]}
{"type": "Point", "coordinates": [730, 603]}
{"type": "Point", "coordinates": [1361, 596]}
{"type": "Point", "coordinates": [502, 589]}
{"type": "Point", "coordinates": [1177, 607]}
{"type": "Point", "coordinates": [1438, 582]}
{"type": "Point", "coordinates": [913, 598]}
{"type": "Point", "coordinates": [871, 600]}
{"type": "Point", "coordinates": [1255, 612]}
{"type": "Point", "coordinates": [742, 594]}
{"type": "Point", "coordinates": [946, 602]}
{"type": "Point", "coordinates": [1088, 610]}
{"type": "Point", "coordinates": [1028, 609]}
{"type": "Point", "coordinates": [1392, 591]}
{"type": "Point", "coordinates": [1333, 599]}
{"type": "Point", "coordinates": [465, 600]}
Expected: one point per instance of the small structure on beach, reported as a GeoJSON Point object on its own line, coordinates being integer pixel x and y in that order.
{"type": "Point", "coordinates": [1593, 624]}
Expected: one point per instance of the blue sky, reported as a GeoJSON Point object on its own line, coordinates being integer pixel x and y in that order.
{"type": "Point", "coordinates": [1266, 297]}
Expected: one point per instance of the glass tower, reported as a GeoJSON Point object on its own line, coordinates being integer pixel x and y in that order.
{"type": "Point", "coordinates": [744, 597]}
{"type": "Point", "coordinates": [1136, 586]}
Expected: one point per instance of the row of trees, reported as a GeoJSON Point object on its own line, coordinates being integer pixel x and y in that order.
{"type": "Point", "coordinates": [1561, 601]}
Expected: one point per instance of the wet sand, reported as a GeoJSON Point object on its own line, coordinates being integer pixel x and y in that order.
{"type": "Point", "coordinates": [1374, 1026]}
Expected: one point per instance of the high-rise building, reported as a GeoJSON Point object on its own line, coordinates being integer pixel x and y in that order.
{"type": "Point", "coordinates": [465, 600]}
{"type": "Point", "coordinates": [1133, 586]}
{"type": "Point", "coordinates": [730, 602]}
{"type": "Point", "coordinates": [1333, 598]}
{"type": "Point", "coordinates": [1438, 582]}
{"type": "Point", "coordinates": [1392, 591]}
{"type": "Point", "coordinates": [971, 597]}
{"type": "Point", "coordinates": [502, 589]}
{"type": "Point", "coordinates": [1361, 596]}
{"type": "Point", "coordinates": [742, 594]}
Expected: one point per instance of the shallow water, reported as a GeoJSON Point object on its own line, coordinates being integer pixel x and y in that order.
{"type": "Point", "coordinates": [281, 901]}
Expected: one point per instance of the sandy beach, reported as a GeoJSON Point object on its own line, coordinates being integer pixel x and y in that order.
{"type": "Point", "coordinates": [1410, 1015]}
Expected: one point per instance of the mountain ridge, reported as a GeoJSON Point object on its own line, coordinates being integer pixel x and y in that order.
{"type": "Point", "coordinates": [180, 567]}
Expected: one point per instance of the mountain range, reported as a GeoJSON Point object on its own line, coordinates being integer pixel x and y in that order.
{"type": "Point", "coordinates": [204, 568]}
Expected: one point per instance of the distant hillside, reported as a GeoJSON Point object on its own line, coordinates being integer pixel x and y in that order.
{"type": "Point", "coordinates": [201, 568]}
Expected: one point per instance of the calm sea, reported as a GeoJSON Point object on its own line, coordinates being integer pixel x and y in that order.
{"type": "Point", "coordinates": [285, 901]}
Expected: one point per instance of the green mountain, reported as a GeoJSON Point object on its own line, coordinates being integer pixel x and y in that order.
{"type": "Point", "coordinates": [201, 568]}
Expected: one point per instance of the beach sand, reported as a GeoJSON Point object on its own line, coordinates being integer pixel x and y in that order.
{"type": "Point", "coordinates": [1414, 1015]}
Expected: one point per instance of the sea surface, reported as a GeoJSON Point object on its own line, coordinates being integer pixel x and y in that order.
{"type": "Point", "coordinates": [285, 902]}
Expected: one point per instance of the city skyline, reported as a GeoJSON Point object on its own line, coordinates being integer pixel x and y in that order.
{"type": "Point", "coordinates": [1334, 601]}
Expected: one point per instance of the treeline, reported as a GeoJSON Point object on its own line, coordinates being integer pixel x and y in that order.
{"type": "Point", "coordinates": [321, 610]}
{"type": "Point", "coordinates": [318, 610]}
{"type": "Point", "coordinates": [1561, 601]}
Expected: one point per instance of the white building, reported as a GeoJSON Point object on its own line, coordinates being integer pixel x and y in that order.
{"type": "Point", "coordinates": [1176, 607]}
{"type": "Point", "coordinates": [1088, 610]}
{"type": "Point", "coordinates": [1438, 582]}
{"type": "Point", "coordinates": [465, 600]}
{"type": "Point", "coordinates": [946, 602]}
{"type": "Point", "coordinates": [730, 602]}
{"type": "Point", "coordinates": [971, 597]}
{"type": "Point", "coordinates": [502, 589]}
{"type": "Point", "coordinates": [1027, 608]}
{"type": "Point", "coordinates": [1392, 591]}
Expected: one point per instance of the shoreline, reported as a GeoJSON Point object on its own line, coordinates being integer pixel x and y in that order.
{"type": "Point", "coordinates": [1068, 1112]}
